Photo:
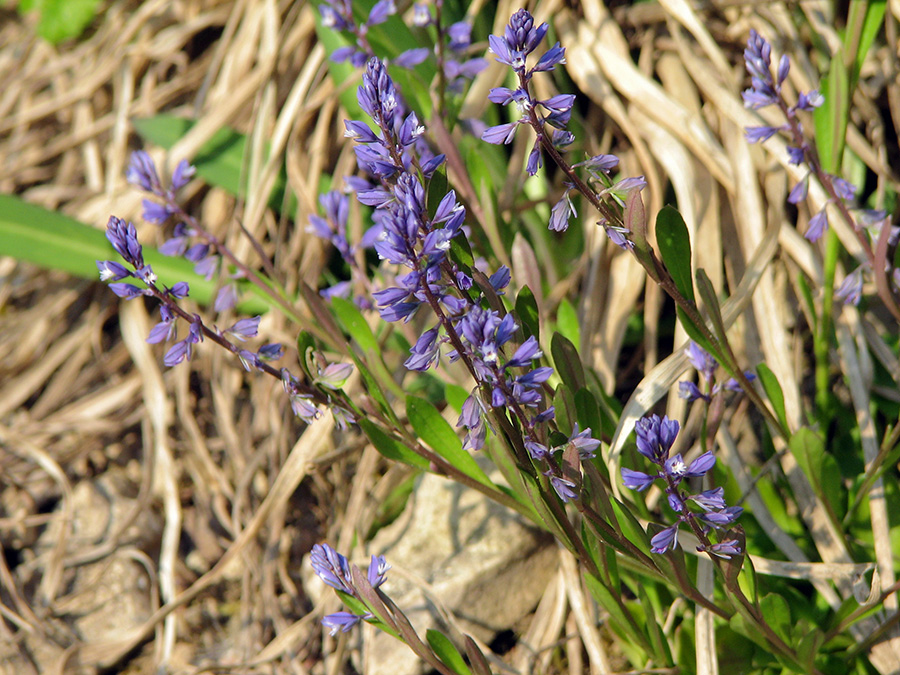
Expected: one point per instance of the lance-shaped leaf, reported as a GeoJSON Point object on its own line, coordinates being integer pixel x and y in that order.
{"type": "Point", "coordinates": [437, 433]}
{"type": "Point", "coordinates": [675, 248]}
{"type": "Point", "coordinates": [447, 652]}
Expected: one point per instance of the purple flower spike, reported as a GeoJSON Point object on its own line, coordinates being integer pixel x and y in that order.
{"type": "Point", "coordinates": [562, 487]}
{"type": "Point", "coordinates": [112, 271]}
{"type": "Point", "coordinates": [332, 568]}
{"type": "Point", "coordinates": [380, 12]}
{"type": "Point", "coordinates": [817, 226]}
{"type": "Point", "coordinates": [377, 571]}
{"type": "Point", "coordinates": [142, 172]}
{"type": "Point", "coordinates": [182, 174]}
{"type": "Point", "coordinates": [377, 96]}
{"type": "Point", "coordinates": [123, 237]}
{"type": "Point", "coordinates": [245, 328]}
{"type": "Point", "coordinates": [655, 436]}
{"type": "Point", "coordinates": [663, 541]}
{"type": "Point", "coordinates": [636, 480]}
{"type": "Point", "coordinates": [341, 621]}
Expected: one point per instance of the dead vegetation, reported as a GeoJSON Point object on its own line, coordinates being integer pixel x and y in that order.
{"type": "Point", "coordinates": [157, 519]}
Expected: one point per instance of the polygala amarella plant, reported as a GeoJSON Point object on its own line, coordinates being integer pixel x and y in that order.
{"type": "Point", "coordinates": [419, 231]}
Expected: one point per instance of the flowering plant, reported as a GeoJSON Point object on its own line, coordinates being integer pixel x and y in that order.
{"type": "Point", "coordinates": [444, 334]}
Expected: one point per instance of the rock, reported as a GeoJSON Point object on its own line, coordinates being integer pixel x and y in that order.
{"type": "Point", "coordinates": [100, 598]}
{"type": "Point", "coordinates": [484, 563]}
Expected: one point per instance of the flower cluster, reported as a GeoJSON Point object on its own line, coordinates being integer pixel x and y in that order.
{"type": "Point", "coordinates": [484, 334]}
{"type": "Point", "coordinates": [334, 569]}
{"type": "Point", "coordinates": [519, 40]}
{"type": "Point", "coordinates": [413, 238]}
{"type": "Point", "coordinates": [188, 240]}
{"type": "Point", "coordinates": [333, 229]}
{"type": "Point", "coordinates": [338, 15]}
{"type": "Point", "coordinates": [459, 67]}
{"type": "Point", "coordinates": [123, 237]}
{"type": "Point", "coordinates": [655, 437]}
{"type": "Point", "coordinates": [766, 90]}
{"type": "Point", "coordinates": [706, 366]}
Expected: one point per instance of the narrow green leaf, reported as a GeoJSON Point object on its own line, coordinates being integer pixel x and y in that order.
{"type": "Point", "coordinates": [437, 188]}
{"type": "Point", "coordinates": [831, 118]}
{"type": "Point", "coordinates": [390, 447]}
{"type": "Point", "coordinates": [461, 251]}
{"type": "Point", "coordinates": [861, 32]}
{"type": "Point", "coordinates": [567, 362]}
{"type": "Point", "coordinates": [527, 312]}
{"type": "Point", "coordinates": [374, 389]}
{"type": "Point", "coordinates": [746, 578]}
{"type": "Point", "coordinates": [696, 334]}
{"type": "Point", "coordinates": [61, 20]}
{"type": "Point", "coordinates": [711, 303]}
{"type": "Point", "coordinates": [437, 433]}
{"type": "Point", "coordinates": [354, 323]}
{"type": "Point", "coordinates": [566, 412]}
{"type": "Point", "coordinates": [588, 411]}
{"type": "Point", "coordinates": [777, 614]}
{"type": "Point", "coordinates": [567, 322]}
{"type": "Point", "coordinates": [820, 468]}
{"type": "Point", "coordinates": [447, 652]}
{"type": "Point", "coordinates": [618, 616]}
{"type": "Point", "coordinates": [54, 241]}
{"type": "Point", "coordinates": [651, 624]}
{"type": "Point", "coordinates": [773, 390]}
{"type": "Point", "coordinates": [629, 525]}
{"type": "Point", "coordinates": [675, 248]}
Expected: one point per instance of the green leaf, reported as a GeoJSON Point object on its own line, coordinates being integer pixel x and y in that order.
{"type": "Point", "coordinates": [620, 618]}
{"type": "Point", "coordinates": [54, 241]}
{"type": "Point", "coordinates": [353, 322]}
{"type": "Point", "coordinates": [675, 249]}
{"type": "Point", "coordinates": [588, 411]}
{"type": "Point", "coordinates": [696, 334]}
{"type": "Point", "coordinates": [390, 447]}
{"type": "Point", "coordinates": [461, 251]}
{"type": "Point", "coordinates": [447, 652]}
{"type": "Point", "coordinates": [777, 614]}
{"type": "Point", "coordinates": [773, 391]}
{"type": "Point", "coordinates": [436, 189]}
{"type": "Point", "coordinates": [343, 73]}
{"type": "Point", "coordinates": [567, 322]}
{"type": "Point", "coordinates": [746, 577]}
{"type": "Point", "coordinates": [831, 118]}
{"type": "Point", "coordinates": [527, 312]}
{"type": "Point", "coordinates": [629, 525]}
{"type": "Point", "coordinates": [820, 468]}
{"type": "Point", "coordinates": [862, 31]}
{"type": "Point", "coordinates": [220, 161]}
{"type": "Point", "coordinates": [711, 303]}
{"type": "Point", "coordinates": [305, 343]}
{"type": "Point", "coordinates": [437, 433]}
{"type": "Point", "coordinates": [456, 396]}
{"type": "Point", "coordinates": [374, 389]}
{"type": "Point", "coordinates": [657, 639]}
{"type": "Point", "coordinates": [61, 19]}
{"type": "Point", "coordinates": [567, 361]}
{"type": "Point", "coordinates": [566, 413]}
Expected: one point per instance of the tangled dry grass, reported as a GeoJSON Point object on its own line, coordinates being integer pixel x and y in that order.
{"type": "Point", "coordinates": [156, 519]}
